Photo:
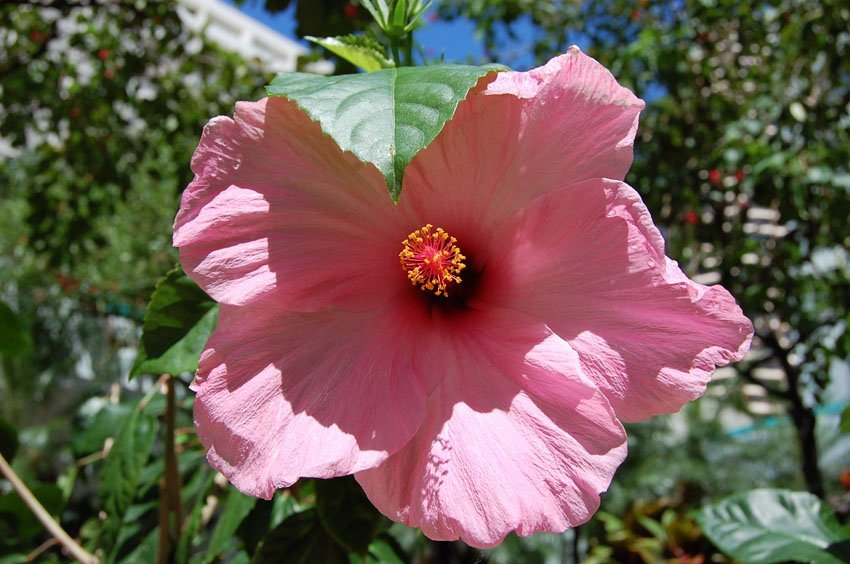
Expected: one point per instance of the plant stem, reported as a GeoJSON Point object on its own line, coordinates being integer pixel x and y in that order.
{"type": "Point", "coordinates": [42, 515]}
{"type": "Point", "coordinates": [163, 544]}
{"type": "Point", "coordinates": [394, 51]}
{"type": "Point", "coordinates": [408, 49]}
{"type": "Point", "coordinates": [170, 485]}
{"type": "Point", "coordinates": [41, 549]}
{"type": "Point", "coordinates": [172, 470]}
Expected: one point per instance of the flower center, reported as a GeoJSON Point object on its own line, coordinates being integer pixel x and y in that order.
{"type": "Point", "coordinates": [432, 259]}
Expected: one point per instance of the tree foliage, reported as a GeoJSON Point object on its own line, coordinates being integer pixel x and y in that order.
{"type": "Point", "coordinates": [742, 156]}
{"type": "Point", "coordinates": [102, 103]}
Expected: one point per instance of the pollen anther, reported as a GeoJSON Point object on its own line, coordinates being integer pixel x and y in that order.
{"type": "Point", "coordinates": [432, 259]}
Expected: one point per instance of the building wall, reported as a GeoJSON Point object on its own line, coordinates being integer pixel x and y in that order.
{"type": "Point", "coordinates": [237, 32]}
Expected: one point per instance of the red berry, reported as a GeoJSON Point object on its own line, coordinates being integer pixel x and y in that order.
{"type": "Point", "coordinates": [740, 175]}
{"type": "Point", "coordinates": [108, 74]}
{"type": "Point", "coordinates": [36, 36]}
{"type": "Point", "coordinates": [714, 176]}
{"type": "Point", "coordinates": [350, 12]}
{"type": "Point", "coordinates": [103, 54]}
{"type": "Point", "coordinates": [635, 17]}
{"type": "Point", "coordinates": [844, 477]}
{"type": "Point", "coordinates": [691, 218]}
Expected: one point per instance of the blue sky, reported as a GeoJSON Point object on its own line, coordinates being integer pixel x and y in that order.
{"type": "Point", "coordinates": [455, 40]}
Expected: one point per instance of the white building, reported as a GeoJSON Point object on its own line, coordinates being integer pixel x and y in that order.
{"type": "Point", "coordinates": [239, 33]}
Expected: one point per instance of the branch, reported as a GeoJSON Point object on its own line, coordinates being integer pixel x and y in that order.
{"type": "Point", "coordinates": [42, 515]}
{"type": "Point", "coordinates": [41, 549]}
{"type": "Point", "coordinates": [747, 374]}
{"type": "Point", "coordinates": [781, 353]}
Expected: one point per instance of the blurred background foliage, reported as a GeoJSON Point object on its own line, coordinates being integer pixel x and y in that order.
{"type": "Point", "coordinates": [742, 157]}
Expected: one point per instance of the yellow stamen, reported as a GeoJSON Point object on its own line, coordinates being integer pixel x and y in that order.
{"type": "Point", "coordinates": [432, 259]}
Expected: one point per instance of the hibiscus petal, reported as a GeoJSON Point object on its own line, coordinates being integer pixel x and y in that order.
{"type": "Point", "coordinates": [589, 262]}
{"type": "Point", "coordinates": [524, 134]}
{"type": "Point", "coordinates": [515, 439]}
{"type": "Point", "coordinates": [274, 202]}
{"type": "Point", "coordinates": [281, 396]}
{"type": "Point", "coordinates": [579, 122]}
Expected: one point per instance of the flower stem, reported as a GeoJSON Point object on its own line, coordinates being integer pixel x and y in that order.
{"type": "Point", "coordinates": [42, 515]}
{"type": "Point", "coordinates": [395, 52]}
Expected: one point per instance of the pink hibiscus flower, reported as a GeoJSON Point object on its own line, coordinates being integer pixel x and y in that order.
{"type": "Point", "coordinates": [467, 353]}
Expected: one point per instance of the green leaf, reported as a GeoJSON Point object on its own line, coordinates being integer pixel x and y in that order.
{"type": "Point", "coordinates": [26, 524]}
{"type": "Point", "coordinates": [137, 522]}
{"type": "Point", "coordinates": [122, 470]}
{"type": "Point", "coordinates": [347, 513]}
{"type": "Point", "coordinates": [776, 526]}
{"type": "Point", "coordinates": [179, 320]}
{"type": "Point", "coordinates": [66, 482]}
{"type": "Point", "coordinates": [845, 419]}
{"type": "Point", "coordinates": [358, 50]}
{"type": "Point", "coordinates": [385, 550]}
{"type": "Point", "coordinates": [653, 527]}
{"type": "Point", "coordinates": [236, 508]}
{"type": "Point", "coordinates": [415, 14]}
{"type": "Point", "coordinates": [8, 440]}
{"type": "Point", "coordinates": [191, 530]}
{"type": "Point", "coordinates": [146, 551]}
{"type": "Point", "coordinates": [284, 504]}
{"type": "Point", "coordinates": [399, 17]}
{"type": "Point", "coordinates": [103, 425]}
{"type": "Point", "coordinates": [384, 117]}
{"type": "Point", "coordinates": [15, 338]}
{"type": "Point", "coordinates": [380, 12]}
{"type": "Point", "coordinates": [301, 539]}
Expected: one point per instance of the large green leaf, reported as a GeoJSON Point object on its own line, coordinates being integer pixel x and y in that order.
{"type": "Point", "coordinates": [347, 513]}
{"type": "Point", "coordinates": [776, 526]}
{"type": "Point", "coordinates": [121, 472]}
{"type": "Point", "coordinates": [301, 539]}
{"type": "Point", "coordinates": [179, 320]}
{"type": "Point", "coordinates": [14, 336]}
{"type": "Point", "coordinates": [384, 117]}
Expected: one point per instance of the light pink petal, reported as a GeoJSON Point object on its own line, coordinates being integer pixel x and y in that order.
{"type": "Point", "coordinates": [515, 439]}
{"type": "Point", "coordinates": [589, 262]}
{"type": "Point", "coordinates": [524, 134]}
{"type": "Point", "coordinates": [281, 396]}
{"type": "Point", "coordinates": [277, 210]}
